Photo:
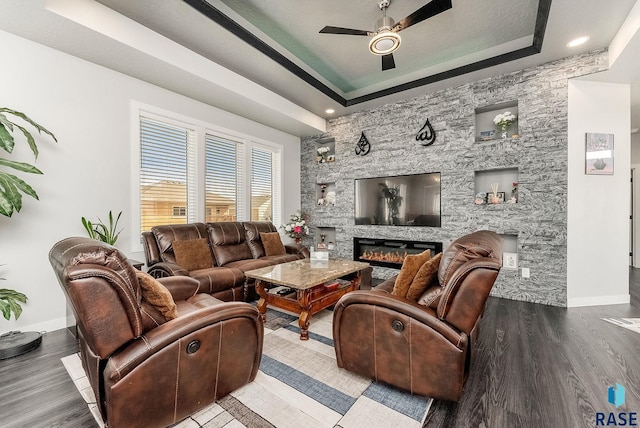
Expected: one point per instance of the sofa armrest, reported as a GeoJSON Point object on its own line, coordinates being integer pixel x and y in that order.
{"type": "Point", "coordinates": [164, 269]}
{"type": "Point", "coordinates": [180, 287]}
{"type": "Point", "coordinates": [297, 249]}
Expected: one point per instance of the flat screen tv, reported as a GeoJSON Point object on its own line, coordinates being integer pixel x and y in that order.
{"type": "Point", "coordinates": [401, 200]}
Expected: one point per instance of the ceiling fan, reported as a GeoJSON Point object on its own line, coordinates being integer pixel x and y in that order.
{"type": "Point", "coordinates": [385, 39]}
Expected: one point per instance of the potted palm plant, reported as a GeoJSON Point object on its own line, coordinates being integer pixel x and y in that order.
{"type": "Point", "coordinates": [11, 190]}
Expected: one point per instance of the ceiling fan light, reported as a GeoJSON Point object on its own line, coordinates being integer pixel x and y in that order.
{"type": "Point", "coordinates": [384, 43]}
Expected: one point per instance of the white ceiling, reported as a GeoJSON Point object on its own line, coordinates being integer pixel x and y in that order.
{"type": "Point", "coordinates": [171, 44]}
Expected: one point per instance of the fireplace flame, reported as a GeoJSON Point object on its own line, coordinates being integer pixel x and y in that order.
{"type": "Point", "coordinates": [384, 256]}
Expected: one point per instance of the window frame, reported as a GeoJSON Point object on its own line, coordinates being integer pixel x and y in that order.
{"type": "Point", "coordinates": [197, 190]}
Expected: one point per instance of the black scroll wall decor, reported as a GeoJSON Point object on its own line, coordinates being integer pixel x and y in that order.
{"type": "Point", "coordinates": [426, 136]}
{"type": "Point", "coordinates": [363, 147]}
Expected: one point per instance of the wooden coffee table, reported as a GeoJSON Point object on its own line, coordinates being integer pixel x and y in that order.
{"type": "Point", "coordinates": [307, 282]}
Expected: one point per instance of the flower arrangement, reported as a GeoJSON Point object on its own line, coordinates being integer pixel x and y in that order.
{"type": "Point", "coordinates": [322, 152]}
{"type": "Point", "coordinates": [297, 226]}
{"type": "Point", "coordinates": [503, 121]}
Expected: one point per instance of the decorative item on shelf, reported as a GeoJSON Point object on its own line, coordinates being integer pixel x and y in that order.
{"type": "Point", "coordinates": [322, 237]}
{"type": "Point", "coordinates": [426, 135]}
{"type": "Point", "coordinates": [481, 198]}
{"type": "Point", "coordinates": [322, 154]}
{"type": "Point", "coordinates": [495, 197]}
{"type": "Point", "coordinates": [322, 200]}
{"type": "Point", "coordinates": [487, 135]}
{"type": "Point", "coordinates": [331, 158]}
{"type": "Point", "coordinates": [330, 199]}
{"type": "Point", "coordinates": [503, 121]}
{"type": "Point", "coordinates": [297, 227]}
{"type": "Point", "coordinates": [514, 193]}
{"type": "Point", "coordinates": [363, 147]}
{"type": "Point", "coordinates": [510, 260]}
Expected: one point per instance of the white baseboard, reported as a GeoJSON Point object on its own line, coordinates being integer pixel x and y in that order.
{"type": "Point", "coordinates": [598, 301]}
{"type": "Point", "coordinates": [50, 325]}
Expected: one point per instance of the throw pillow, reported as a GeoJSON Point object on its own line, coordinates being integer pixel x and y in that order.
{"type": "Point", "coordinates": [427, 272]}
{"type": "Point", "coordinates": [272, 244]}
{"type": "Point", "coordinates": [410, 267]}
{"type": "Point", "coordinates": [157, 295]}
{"type": "Point", "coordinates": [193, 254]}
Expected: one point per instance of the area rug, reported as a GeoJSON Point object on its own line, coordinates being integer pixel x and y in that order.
{"type": "Point", "coordinates": [299, 384]}
{"type": "Point", "coordinates": [632, 324]}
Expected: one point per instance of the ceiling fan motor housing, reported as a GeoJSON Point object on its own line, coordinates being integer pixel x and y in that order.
{"type": "Point", "coordinates": [384, 24]}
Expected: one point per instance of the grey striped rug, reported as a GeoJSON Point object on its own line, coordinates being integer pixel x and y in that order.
{"type": "Point", "coordinates": [299, 384]}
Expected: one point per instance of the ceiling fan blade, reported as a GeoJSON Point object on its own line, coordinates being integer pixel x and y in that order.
{"type": "Point", "coordinates": [349, 31]}
{"type": "Point", "coordinates": [427, 11]}
{"type": "Point", "coordinates": [387, 62]}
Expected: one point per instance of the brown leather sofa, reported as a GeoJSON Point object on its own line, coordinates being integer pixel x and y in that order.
{"type": "Point", "coordinates": [143, 371]}
{"type": "Point", "coordinates": [423, 347]}
{"type": "Point", "coordinates": [235, 247]}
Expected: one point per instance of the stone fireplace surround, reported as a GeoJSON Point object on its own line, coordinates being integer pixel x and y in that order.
{"type": "Point", "coordinates": [536, 225]}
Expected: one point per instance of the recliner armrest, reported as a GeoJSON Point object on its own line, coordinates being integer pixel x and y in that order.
{"type": "Point", "coordinates": [164, 269]}
{"type": "Point", "coordinates": [424, 315]}
{"type": "Point", "coordinates": [180, 287]}
{"type": "Point", "coordinates": [139, 350]}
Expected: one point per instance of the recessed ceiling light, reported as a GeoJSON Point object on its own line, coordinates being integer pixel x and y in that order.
{"type": "Point", "coordinates": [577, 42]}
{"type": "Point", "coordinates": [329, 111]}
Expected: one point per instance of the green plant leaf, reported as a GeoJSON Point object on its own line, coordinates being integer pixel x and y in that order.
{"type": "Point", "coordinates": [30, 140]}
{"type": "Point", "coordinates": [89, 228]}
{"type": "Point", "coordinates": [21, 185]}
{"type": "Point", "coordinates": [6, 139]}
{"type": "Point", "coordinates": [27, 119]}
{"type": "Point", "coordinates": [20, 166]}
{"type": "Point", "coordinates": [10, 192]}
{"type": "Point", "coordinates": [10, 301]}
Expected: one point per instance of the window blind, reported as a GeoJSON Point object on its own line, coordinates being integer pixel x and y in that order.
{"type": "Point", "coordinates": [163, 173]}
{"type": "Point", "coordinates": [261, 185]}
{"type": "Point", "coordinates": [224, 169]}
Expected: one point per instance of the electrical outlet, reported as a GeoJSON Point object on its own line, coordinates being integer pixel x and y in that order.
{"type": "Point", "coordinates": [526, 273]}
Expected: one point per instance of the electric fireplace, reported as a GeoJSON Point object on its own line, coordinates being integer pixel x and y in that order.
{"type": "Point", "coordinates": [390, 252]}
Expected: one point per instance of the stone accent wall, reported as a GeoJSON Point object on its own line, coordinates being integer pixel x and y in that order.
{"type": "Point", "coordinates": [539, 219]}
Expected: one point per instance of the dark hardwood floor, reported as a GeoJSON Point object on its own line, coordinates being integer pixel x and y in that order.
{"type": "Point", "coordinates": [535, 366]}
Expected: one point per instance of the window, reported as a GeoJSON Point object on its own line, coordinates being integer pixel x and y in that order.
{"type": "Point", "coordinates": [179, 212]}
{"type": "Point", "coordinates": [261, 189]}
{"type": "Point", "coordinates": [192, 172]}
{"type": "Point", "coordinates": [223, 178]}
{"type": "Point", "coordinates": [163, 173]}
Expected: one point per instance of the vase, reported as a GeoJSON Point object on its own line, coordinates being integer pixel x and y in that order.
{"type": "Point", "coordinates": [298, 240]}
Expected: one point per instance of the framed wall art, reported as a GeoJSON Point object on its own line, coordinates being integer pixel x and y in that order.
{"type": "Point", "coordinates": [599, 154]}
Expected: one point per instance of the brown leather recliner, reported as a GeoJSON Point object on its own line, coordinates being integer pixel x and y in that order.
{"type": "Point", "coordinates": [424, 348]}
{"type": "Point", "coordinates": [143, 371]}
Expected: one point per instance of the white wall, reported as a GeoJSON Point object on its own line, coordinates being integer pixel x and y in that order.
{"type": "Point", "coordinates": [88, 172]}
{"type": "Point", "coordinates": [598, 205]}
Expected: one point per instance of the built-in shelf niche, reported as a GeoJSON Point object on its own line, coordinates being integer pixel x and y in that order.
{"type": "Point", "coordinates": [509, 251]}
{"type": "Point", "coordinates": [326, 194]}
{"type": "Point", "coordinates": [325, 238]}
{"type": "Point", "coordinates": [504, 177]}
{"type": "Point", "coordinates": [485, 125]}
{"type": "Point", "coordinates": [330, 156]}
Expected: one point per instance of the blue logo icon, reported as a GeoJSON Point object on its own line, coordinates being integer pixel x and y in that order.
{"type": "Point", "coordinates": [616, 395]}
